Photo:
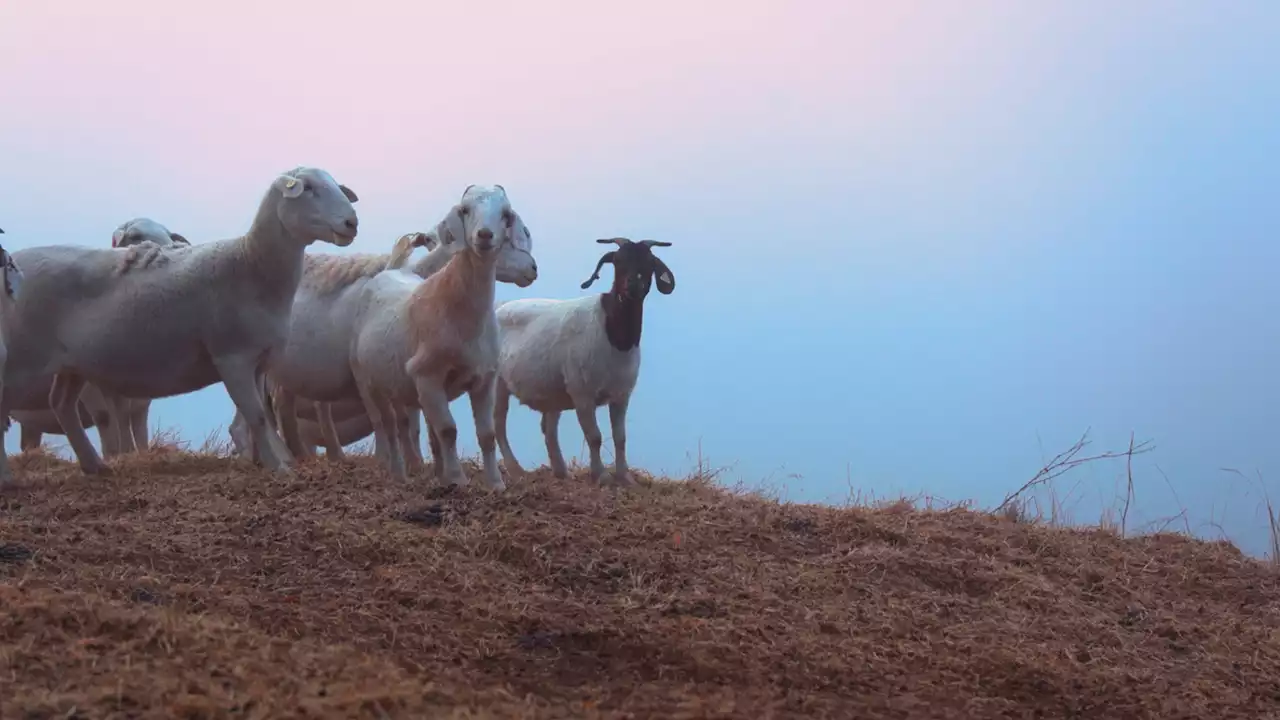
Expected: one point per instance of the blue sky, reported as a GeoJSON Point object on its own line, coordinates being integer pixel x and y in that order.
{"type": "Point", "coordinates": [918, 249]}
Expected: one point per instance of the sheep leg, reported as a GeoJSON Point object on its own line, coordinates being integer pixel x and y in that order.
{"type": "Point", "coordinates": [433, 442]}
{"type": "Point", "coordinates": [269, 404]}
{"type": "Point", "coordinates": [139, 410]}
{"type": "Point", "coordinates": [551, 433]}
{"type": "Point", "coordinates": [239, 377]}
{"type": "Point", "coordinates": [435, 406]}
{"type": "Point", "coordinates": [407, 426]}
{"type": "Point", "coordinates": [332, 448]}
{"type": "Point", "coordinates": [386, 445]}
{"type": "Point", "coordinates": [64, 400]}
{"type": "Point", "coordinates": [30, 438]}
{"type": "Point", "coordinates": [287, 412]}
{"type": "Point", "coordinates": [103, 419]}
{"type": "Point", "coordinates": [591, 433]}
{"type": "Point", "coordinates": [236, 430]}
{"type": "Point", "coordinates": [6, 475]}
{"type": "Point", "coordinates": [118, 407]}
{"type": "Point", "coordinates": [618, 423]}
{"type": "Point", "coordinates": [482, 399]}
{"type": "Point", "coordinates": [501, 406]}
{"type": "Point", "coordinates": [415, 437]}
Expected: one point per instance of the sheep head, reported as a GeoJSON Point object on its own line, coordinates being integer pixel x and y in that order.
{"type": "Point", "coordinates": [634, 268]}
{"type": "Point", "coordinates": [313, 206]}
{"type": "Point", "coordinates": [143, 229]}
{"type": "Point", "coordinates": [481, 220]}
{"type": "Point", "coordinates": [514, 264]}
{"type": "Point", "coordinates": [515, 261]}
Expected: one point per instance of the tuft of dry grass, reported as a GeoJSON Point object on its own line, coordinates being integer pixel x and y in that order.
{"type": "Point", "coordinates": [191, 585]}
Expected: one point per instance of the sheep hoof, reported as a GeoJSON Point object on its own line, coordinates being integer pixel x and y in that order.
{"type": "Point", "coordinates": [619, 480]}
{"type": "Point", "coordinates": [97, 469]}
{"type": "Point", "coordinates": [493, 480]}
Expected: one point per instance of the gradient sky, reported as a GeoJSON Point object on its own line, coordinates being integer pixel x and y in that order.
{"type": "Point", "coordinates": [919, 246]}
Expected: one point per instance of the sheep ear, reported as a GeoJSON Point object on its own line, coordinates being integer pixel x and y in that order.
{"type": "Point", "coordinates": [351, 194]}
{"type": "Point", "coordinates": [454, 227]}
{"type": "Point", "coordinates": [290, 187]}
{"type": "Point", "coordinates": [179, 239]}
{"type": "Point", "coordinates": [518, 233]}
{"type": "Point", "coordinates": [606, 258]}
{"type": "Point", "coordinates": [663, 277]}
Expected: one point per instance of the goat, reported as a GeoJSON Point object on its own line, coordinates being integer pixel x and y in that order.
{"type": "Point", "coordinates": [424, 342]}
{"type": "Point", "coordinates": [579, 354]}
{"type": "Point", "coordinates": [315, 364]}
{"type": "Point", "coordinates": [123, 421]}
{"type": "Point", "coordinates": [217, 311]}
{"type": "Point", "coordinates": [12, 288]}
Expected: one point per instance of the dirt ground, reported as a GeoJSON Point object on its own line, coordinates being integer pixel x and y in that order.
{"type": "Point", "coordinates": [190, 586]}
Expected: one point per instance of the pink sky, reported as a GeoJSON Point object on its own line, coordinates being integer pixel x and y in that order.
{"type": "Point", "coordinates": [192, 107]}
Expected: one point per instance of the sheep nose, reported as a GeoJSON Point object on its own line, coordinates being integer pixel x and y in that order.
{"type": "Point", "coordinates": [485, 234]}
{"type": "Point", "coordinates": [351, 223]}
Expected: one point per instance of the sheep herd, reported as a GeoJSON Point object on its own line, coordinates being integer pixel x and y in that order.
{"type": "Point", "coordinates": [321, 350]}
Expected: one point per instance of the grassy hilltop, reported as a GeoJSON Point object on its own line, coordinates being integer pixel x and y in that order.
{"type": "Point", "coordinates": [189, 585]}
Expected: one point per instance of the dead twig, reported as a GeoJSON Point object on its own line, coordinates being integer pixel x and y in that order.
{"type": "Point", "coordinates": [1070, 459]}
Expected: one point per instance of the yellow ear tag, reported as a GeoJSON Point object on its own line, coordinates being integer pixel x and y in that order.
{"type": "Point", "coordinates": [291, 183]}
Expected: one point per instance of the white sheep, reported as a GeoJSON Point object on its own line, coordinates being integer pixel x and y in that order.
{"type": "Point", "coordinates": [117, 435]}
{"type": "Point", "coordinates": [424, 342]}
{"type": "Point", "coordinates": [12, 290]}
{"type": "Point", "coordinates": [143, 230]}
{"type": "Point", "coordinates": [315, 364]}
{"type": "Point", "coordinates": [217, 311]}
{"type": "Point", "coordinates": [579, 354]}
{"type": "Point", "coordinates": [350, 423]}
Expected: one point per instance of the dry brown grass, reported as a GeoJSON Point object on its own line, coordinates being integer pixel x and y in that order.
{"type": "Point", "coordinates": [195, 586]}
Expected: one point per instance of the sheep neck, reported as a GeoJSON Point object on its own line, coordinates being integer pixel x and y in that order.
{"type": "Point", "coordinates": [460, 294]}
{"type": "Point", "coordinates": [623, 319]}
{"type": "Point", "coordinates": [274, 257]}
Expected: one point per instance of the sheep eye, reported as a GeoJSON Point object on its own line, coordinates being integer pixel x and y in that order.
{"type": "Point", "coordinates": [464, 211]}
{"type": "Point", "coordinates": [306, 186]}
{"type": "Point", "coordinates": [508, 218]}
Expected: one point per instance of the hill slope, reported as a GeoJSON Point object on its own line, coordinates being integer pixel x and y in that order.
{"type": "Point", "coordinates": [189, 586]}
